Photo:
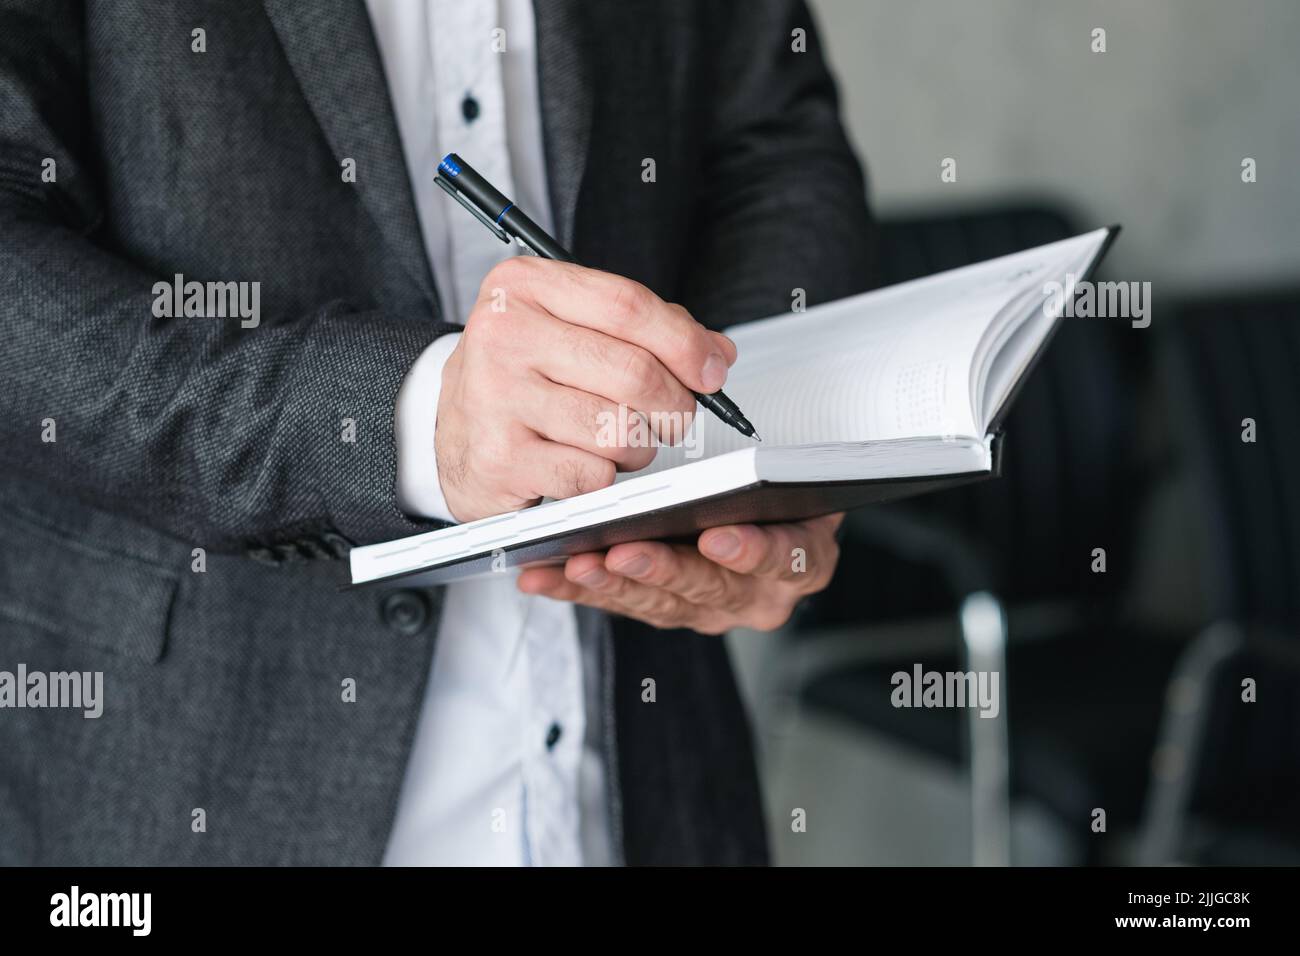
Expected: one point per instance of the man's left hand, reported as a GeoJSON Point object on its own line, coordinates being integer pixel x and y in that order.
{"type": "Point", "coordinates": [735, 576]}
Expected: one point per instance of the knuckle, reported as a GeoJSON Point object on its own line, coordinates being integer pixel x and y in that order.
{"type": "Point", "coordinates": [671, 611]}
{"type": "Point", "coordinates": [629, 302]}
{"type": "Point", "coordinates": [568, 478]}
{"type": "Point", "coordinates": [735, 597]}
{"type": "Point", "coordinates": [712, 593]}
{"type": "Point", "coordinates": [659, 576]}
{"type": "Point", "coordinates": [641, 373]}
{"type": "Point", "coordinates": [591, 349]}
{"type": "Point", "coordinates": [596, 475]}
{"type": "Point", "coordinates": [581, 412]}
{"type": "Point", "coordinates": [494, 457]}
{"type": "Point", "coordinates": [508, 272]}
{"type": "Point", "coordinates": [738, 601]}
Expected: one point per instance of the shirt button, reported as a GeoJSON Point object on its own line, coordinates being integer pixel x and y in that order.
{"type": "Point", "coordinates": [553, 736]}
{"type": "Point", "coordinates": [469, 108]}
{"type": "Point", "coordinates": [405, 612]}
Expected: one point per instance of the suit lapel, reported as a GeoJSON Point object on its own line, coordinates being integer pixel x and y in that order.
{"type": "Point", "coordinates": [331, 49]}
{"type": "Point", "coordinates": [565, 89]}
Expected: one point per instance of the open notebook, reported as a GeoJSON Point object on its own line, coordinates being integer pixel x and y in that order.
{"type": "Point", "coordinates": [881, 395]}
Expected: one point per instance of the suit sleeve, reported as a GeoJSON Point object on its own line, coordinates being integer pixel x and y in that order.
{"type": "Point", "coordinates": [783, 197]}
{"type": "Point", "coordinates": [227, 437]}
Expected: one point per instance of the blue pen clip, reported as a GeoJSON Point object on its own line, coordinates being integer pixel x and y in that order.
{"type": "Point", "coordinates": [479, 214]}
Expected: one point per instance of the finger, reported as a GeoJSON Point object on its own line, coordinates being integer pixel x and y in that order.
{"type": "Point", "coordinates": [683, 571]}
{"type": "Point", "coordinates": [802, 553]}
{"type": "Point", "coordinates": [549, 581]}
{"type": "Point", "coordinates": [561, 471]}
{"type": "Point", "coordinates": [588, 570]}
{"type": "Point", "coordinates": [627, 310]}
{"type": "Point", "coordinates": [728, 347]}
{"type": "Point", "coordinates": [581, 420]}
{"type": "Point", "coordinates": [514, 335]}
{"type": "Point", "coordinates": [745, 604]}
{"type": "Point", "coordinates": [585, 581]}
{"type": "Point", "coordinates": [620, 371]}
{"type": "Point", "coordinates": [734, 599]}
{"type": "Point", "coordinates": [652, 605]}
{"type": "Point", "coordinates": [641, 600]}
{"type": "Point", "coordinates": [531, 339]}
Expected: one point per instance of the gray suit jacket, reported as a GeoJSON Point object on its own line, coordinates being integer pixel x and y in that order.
{"type": "Point", "coordinates": [223, 685]}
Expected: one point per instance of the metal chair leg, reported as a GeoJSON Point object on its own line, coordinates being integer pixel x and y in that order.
{"type": "Point", "coordinates": [984, 635]}
{"type": "Point", "coordinates": [1182, 730]}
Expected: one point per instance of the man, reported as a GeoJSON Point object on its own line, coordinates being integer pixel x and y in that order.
{"type": "Point", "coordinates": [181, 480]}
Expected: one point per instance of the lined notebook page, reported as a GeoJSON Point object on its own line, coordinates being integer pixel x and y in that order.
{"type": "Point", "coordinates": [852, 372]}
{"type": "Point", "coordinates": [893, 363]}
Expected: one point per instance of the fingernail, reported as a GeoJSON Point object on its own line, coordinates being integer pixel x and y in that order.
{"type": "Point", "coordinates": [714, 373]}
{"type": "Point", "coordinates": [635, 567]}
{"type": "Point", "coordinates": [723, 545]}
{"type": "Point", "coordinates": [593, 578]}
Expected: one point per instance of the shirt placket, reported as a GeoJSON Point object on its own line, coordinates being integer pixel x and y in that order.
{"type": "Point", "coordinates": [554, 730]}
{"type": "Point", "coordinates": [468, 69]}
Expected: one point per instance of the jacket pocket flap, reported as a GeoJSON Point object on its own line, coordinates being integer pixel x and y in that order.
{"type": "Point", "coordinates": [78, 591]}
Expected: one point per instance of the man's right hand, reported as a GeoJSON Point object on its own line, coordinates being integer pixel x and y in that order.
{"type": "Point", "coordinates": [549, 350]}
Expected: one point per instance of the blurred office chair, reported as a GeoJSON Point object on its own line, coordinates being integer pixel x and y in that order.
{"type": "Point", "coordinates": [1226, 781]}
{"type": "Point", "coordinates": [1017, 548]}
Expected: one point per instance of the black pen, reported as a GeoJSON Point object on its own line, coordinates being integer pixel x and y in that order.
{"type": "Point", "coordinates": [507, 221]}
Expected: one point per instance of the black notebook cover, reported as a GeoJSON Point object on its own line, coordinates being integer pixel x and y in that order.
{"type": "Point", "coordinates": [761, 503]}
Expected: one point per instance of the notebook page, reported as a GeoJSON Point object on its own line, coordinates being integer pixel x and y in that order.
{"type": "Point", "coordinates": [1019, 340]}
{"type": "Point", "coordinates": [1037, 267]}
{"type": "Point", "coordinates": [893, 363]}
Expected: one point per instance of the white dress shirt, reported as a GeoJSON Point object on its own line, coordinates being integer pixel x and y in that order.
{"type": "Point", "coordinates": [501, 771]}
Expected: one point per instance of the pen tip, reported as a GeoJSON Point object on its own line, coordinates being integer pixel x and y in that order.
{"type": "Point", "coordinates": [757, 437]}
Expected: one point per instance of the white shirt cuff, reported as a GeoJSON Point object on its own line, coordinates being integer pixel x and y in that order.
{"type": "Point", "coordinates": [415, 418]}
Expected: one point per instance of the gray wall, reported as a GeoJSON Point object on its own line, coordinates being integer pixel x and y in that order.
{"type": "Point", "coordinates": [1150, 133]}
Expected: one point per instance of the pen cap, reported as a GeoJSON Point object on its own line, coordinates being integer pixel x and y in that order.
{"type": "Point", "coordinates": [477, 189]}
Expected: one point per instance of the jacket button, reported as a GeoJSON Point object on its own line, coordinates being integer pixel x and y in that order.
{"type": "Point", "coordinates": [314, 549]}
{"type": "Point", "coordinates": [405, 612]}
{"type": "Point", "coordinates": [289, 553]}
{"type": "Point", "coordinates": [338, 545]}
{"type": "Point", "coordinates": [264, 556]}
